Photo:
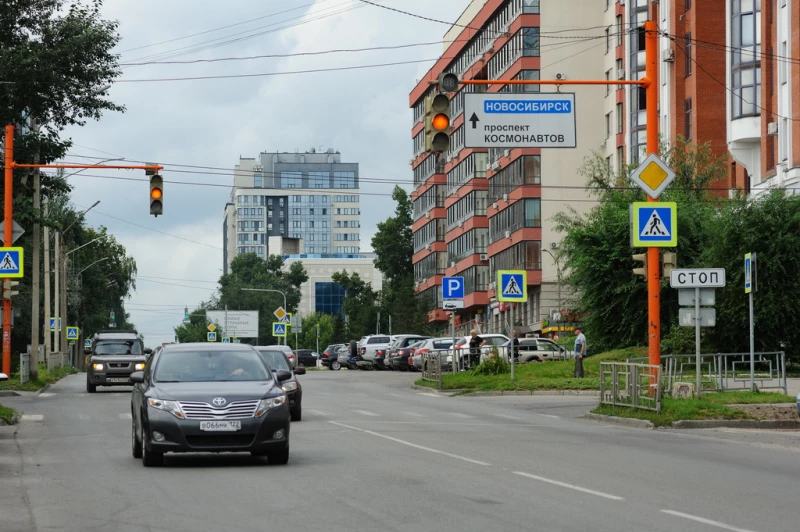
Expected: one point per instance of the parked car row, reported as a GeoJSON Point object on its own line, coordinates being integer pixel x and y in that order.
{"type": "Point", "coordinates": [404, 352]}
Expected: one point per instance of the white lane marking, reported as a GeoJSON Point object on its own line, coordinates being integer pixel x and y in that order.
{"type": "Point", "coordinates": [32, 417]}
{"type": "Point", "coordinates": [409, 444]}
{"type": "Point", "coordinates": [366, 412]}
{"type": "Point", "coordinates": [706, 521]}
{"type": "Point", "coordinates": [465, 416]}
{"type": "Point", "coordinates": [570, 486]}
{"type": "Point", "coordinates": [429, 394]}
{"type": "Point", "coordinates": [126, 416]}
{"type": "Point", "coordinates": [413, 414]}
{"type": "Point", "coordinates": [506, 416]}
{"type": "Point", "coordinates": [46, 394]}
{"type": "Point", "coordinates": [318, 412]}
{"type": "Point", "coordinates": [549, 415]}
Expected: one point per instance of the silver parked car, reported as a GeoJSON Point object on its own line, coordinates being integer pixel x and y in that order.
{"type": "Point", "coordinates": [434, 344]}
{"type": "Point", "coordinates": [536, 350]}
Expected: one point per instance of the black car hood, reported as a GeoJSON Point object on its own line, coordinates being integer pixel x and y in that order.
{"type": "Point", "coordinates": [206, 391]}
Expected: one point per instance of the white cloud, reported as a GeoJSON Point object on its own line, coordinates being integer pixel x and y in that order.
{"type": "Point", "coordinates": [362, 113]}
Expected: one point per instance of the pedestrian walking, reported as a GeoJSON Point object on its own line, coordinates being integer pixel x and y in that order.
{"type": "Point", "coordinates": [475, 344]}
{"type": "Point", "coordinates": [580, 352]}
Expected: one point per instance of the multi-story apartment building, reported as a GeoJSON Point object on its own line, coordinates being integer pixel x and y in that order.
{"type": "Point", "coordinates": [477, 211]}
{"type": "Point", "coordinates": [311, 196]}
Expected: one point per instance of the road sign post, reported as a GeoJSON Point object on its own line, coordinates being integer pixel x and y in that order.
{"type": "Point", "coordinates": [750, 282]}
{"type": "Point", "coordinates": [696, 287]}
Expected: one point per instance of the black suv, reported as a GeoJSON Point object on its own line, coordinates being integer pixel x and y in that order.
{"type": "Point", "coordinates": [115, 354]}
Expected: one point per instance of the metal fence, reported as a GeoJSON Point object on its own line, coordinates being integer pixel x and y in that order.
{"type": "Point", "coordinates": [432, 367]}
{"type": "Point", "coordinates": [726, 371]}
{"type": "Point", "coordinates": [631, 385]}
{"type": "Point", "coordinates": [24, 367]}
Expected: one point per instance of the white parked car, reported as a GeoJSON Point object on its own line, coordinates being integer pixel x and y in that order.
{"type": "Point", "coordinates": [534, 350]}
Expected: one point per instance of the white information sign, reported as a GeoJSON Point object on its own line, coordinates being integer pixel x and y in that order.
{"type": "Point", "coordinates": [533, 120]}
{"type": "Point", "coordinates": [697, 278]}
{"type": "Point", "coordinates": [240, 323]}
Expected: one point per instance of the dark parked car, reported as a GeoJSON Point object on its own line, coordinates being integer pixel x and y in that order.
{"type": "Point", "coordinates": [330, 356]}
{"type": "Point", "coordinates": [306, 357]}
{"type": "Point", "coordinates": [209, 397]}
{"type": "Point", "coordinates": [277, 360]}
{"type": "Point", "coordinates": [397, 354]}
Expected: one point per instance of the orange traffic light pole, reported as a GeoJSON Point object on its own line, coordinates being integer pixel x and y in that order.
{"type": "Point", "coordinates": [8, 221]}
{"type": "Point", "coordinates": [650, 84]}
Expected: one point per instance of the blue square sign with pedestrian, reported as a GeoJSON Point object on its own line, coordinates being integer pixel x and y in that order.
{"type": "Point", "coordinates": [11, 262]}
{"type": "Point", "coordinates": [654, 224]}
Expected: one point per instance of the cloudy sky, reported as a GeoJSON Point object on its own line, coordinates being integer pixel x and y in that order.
{"type": "Point", "coordinates": [210, 123]}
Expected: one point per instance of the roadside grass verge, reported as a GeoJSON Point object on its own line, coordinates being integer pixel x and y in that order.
{"type": "Point", "coordinates": [45, 377]}
{"type": "Point", "coordinates": [748, 398]}
{"type": "Point", "coordinates": [7, 414]}
{"type": "Point", "coordinates": [555, 375]}
{"type": "Point", "coordinates": [675, 410]}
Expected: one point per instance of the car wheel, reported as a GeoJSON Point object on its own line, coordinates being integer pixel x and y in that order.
{"type": "Point", "coordinates": [150, 458]}
{"type": "Point", "coordinates": [136, 445]}
{"type": "Point", "coordinates": [279, 457]}
{"type": "Point", "coordinates": [336, 366]}
{"type": "Point", "coordinates": [91, 388]}
{"type": "Point", "coordinates": [297, 414]}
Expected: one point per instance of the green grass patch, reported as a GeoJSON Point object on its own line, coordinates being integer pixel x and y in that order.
{"type": "Point", "coordinates": [748, 398]}
{"type": "Point", "coordinates": [45, 377]}
{"type": "Point", "coordinates": [555, 375]}
{"type": "Point", "coordinates": [7, 414]}
{"type": "Point", "coordinates": [675, 410]}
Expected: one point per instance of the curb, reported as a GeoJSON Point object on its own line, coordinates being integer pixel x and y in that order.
{"type": "Point", "coordinates": [9, 393]}
{"type": "Point", "coordinates": [736, 424]}
{"type": "Point", "coordinates": [623, 421]}
{"type": "Point", "coordinates": [498, 393]}
{"type": "Point", "coordinates": [44, 388]}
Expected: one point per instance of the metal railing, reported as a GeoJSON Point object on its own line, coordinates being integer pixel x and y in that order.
{"type": "Point", "coordinates": [726, 371]}
{"type": "Point", "coordinates": [25, 367]}
{"type": "Point", "coordinates": [631, 385]}
{"type": "Point", "coordinates": [432, 367]}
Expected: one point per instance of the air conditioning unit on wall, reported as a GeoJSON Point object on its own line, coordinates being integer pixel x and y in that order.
{"type": "Point", "coordinates": [561, 76]}
{"type": "Point", "coordinates": [484, 256]}
{"type": "Point", "coordinates": [772, 129]}
{"type": "Point", "coordinates": [669, 55]}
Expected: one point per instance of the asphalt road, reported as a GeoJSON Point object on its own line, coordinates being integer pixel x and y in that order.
{"type": "Point", "coordinates": [371, 454]}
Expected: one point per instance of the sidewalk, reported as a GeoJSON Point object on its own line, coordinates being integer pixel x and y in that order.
{"type": "Point", "coordinates": [14, 504]}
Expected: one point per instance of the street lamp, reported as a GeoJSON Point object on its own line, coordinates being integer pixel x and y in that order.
{"type": "Point", "coordinates": [270, 290]}
{"type": "Point", "coordinates": [92, 264]}
{"type": "Point", "coordinates": [558, 274]}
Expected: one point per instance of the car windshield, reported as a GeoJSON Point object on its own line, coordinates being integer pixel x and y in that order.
{"type": "Point", "coordinates": [210, 366]}
{"type": "Point", "coordinates": [274, 359]}
{"type": "Point", "coordinates": [118, 347]}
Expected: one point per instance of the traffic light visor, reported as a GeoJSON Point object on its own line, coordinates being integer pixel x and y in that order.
{"type": "Point", "coordinates": [441, 122]}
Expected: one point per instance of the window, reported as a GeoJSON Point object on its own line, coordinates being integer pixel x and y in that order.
{"type": "Point", "coordinates": [620, 119]}
{"type": "Point", "coordinates": [311, 237]}
{"type": "Point", "coordinates": [269, 227]}
{"type": "Point", "coordinates": [619, 30]}
{"type": "Point", "coordinates": [292, 179]}
{"type": "Point", "coordinates": [296, 199]}
{"type": "Point", "coordinates": [530, 7]}
{"type": "Point", "coordinates": [319, 179]}
{"type": "Point", "coordinates": [687, 118]}
{"type": "Point", "coordinates": [608, 39]}
{"type": "Point", "coordinates": [526, 170]}
{"type": "Point", "coordinates": [608, 125]}
{"type": "Point", "coordinates": [688, 51]}
{"type": "Point", "coordinates": [280, 202]}
{"type": "Point", "coordinates": [745, 62]}
{"type": "Point", "coordinates": [620, 159]}
{"type": "Point", "coordinates": [311, 224]}
{"type": "Point", "coordinates": [530, 42]}
{"type": "Point", "coordinates": [608, 78]}
{"type": "Point", "coordinates": [329, 297]}
{"type": "Point", "coordinates": [344, 180]}
{"type": "Point", "coordinates": [311, 199]}
{"type": "Point", "coordinates": [257, 181]}
{"type": "Point", "coordinates": [269, 202]}
{"type": "Point", "coordinates": [324, 199]}
{"type": "Point", "coordinates": [687, 5]}
{"type": "Point", "coordinates": [296, 212]}
{"type": "Point", "coordinates": [324, 212]}
{"type": "Point", "coordinates": [311, 212]}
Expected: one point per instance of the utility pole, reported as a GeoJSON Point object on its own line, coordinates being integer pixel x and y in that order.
{"type": "Point", "coordinates": [57, 292]}
{"type": "Point", "coordinates": [48, 310]}
{"type": "Point", "coordinates": [8, 230]}
{"type": "Point", "coordinates": [64, 318]}
{"type": "Point", "coordinates": [35, 310]}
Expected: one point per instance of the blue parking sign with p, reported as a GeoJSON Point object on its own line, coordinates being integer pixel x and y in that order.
{"type": "Point", "coordinates": [453, 288]}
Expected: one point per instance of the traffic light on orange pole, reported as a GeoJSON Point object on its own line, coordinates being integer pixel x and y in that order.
{"type": "Point", "coordinates": [437, 123]}
{"type": "Point", "coordinates": [156, 195]}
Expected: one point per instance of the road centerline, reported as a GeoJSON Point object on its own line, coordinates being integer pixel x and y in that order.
{"type": "Point", "coordinates": [570, 486]}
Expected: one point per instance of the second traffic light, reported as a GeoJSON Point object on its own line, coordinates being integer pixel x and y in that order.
{"type": "Point", "coordinates": [643, 270]}
{"type": "Point", "coordinates": [156, 195]}
{"type": "Point", "coordinates": [437, 123]}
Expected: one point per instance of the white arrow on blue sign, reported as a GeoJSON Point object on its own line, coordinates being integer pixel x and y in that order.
{"type": "Point", "coordinates": [453, 288]}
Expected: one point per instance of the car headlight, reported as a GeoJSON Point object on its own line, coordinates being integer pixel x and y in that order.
{"type": "Point", "coordinates": [269, 403]}
{"type": "Point", "coordinates": [138, 367]}
{"type": "Point", "coordinates": [289, 387]}
{"type": "Point", "coordinates": [97, 367]}
{"type": "Point", "coordinates": [167, 406]}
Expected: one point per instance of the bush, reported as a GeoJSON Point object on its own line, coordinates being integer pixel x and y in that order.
{"type": "Point", "coordinates": [493, 366]}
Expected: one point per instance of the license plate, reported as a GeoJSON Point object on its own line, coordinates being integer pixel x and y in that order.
{"type": "Point", "coordinates": [113, 379]}
{"type": "Point", "coordinates": [220, 425]}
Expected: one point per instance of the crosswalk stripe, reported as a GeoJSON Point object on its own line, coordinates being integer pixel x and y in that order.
{"type": "Point", "coordinates": [413, 414]}
{"type": "Point", "coordinates": [366, 412]}
{"type": "Point", "coordinates": [506, 416]}
{"type": "Point", "coordinates": [32, 417]}
{"type": "Point", "coordinates": [46, 394]}
{"type": "Point", "coordinates": [125, 416]}
{"type": "Point", "coordinates": [318, 412]}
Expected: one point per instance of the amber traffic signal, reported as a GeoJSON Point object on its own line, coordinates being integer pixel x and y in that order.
{"type": "Point", "coordinates": [156, 195]}
{"type": "Point", "coordinates": [437, 123]}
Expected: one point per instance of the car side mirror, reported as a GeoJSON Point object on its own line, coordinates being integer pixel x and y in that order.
{"type": "Point", "coordinates": [300, 371]}
{"type": "Point", "coordinates": [148, 351]}
{"type": "Point", "coordinates": [3, 377]}
{"type": "Point", "coordinates": [283, 375]}
{"type": "Point", "coordinates": [137, 376]}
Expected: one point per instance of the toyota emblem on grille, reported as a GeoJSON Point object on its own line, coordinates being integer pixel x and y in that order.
{"type": "Point", "coordinates": [219, 401]}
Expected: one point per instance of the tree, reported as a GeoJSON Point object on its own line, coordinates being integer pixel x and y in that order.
{"type": "Point", "coordinates": [197, 328]}
{"type": "Point", "coordinates": [359, 307]}
{"type": "Point", "coordinates": [596, 248]}
{"type": "Point", "coordinates": [308, 338]}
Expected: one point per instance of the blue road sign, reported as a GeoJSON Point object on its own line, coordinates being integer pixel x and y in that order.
{"type": "Point", "coordinates": [453, 288]}
{"type": "Point", "coordinates": [748, 273]}
{"type": "Point", "coordinates": [226, 340]}
{"type": "Point", "coordinates": [211, 336]}
{"type": "Point", "coordinates": [278, 328]}
{"type": "Point", "coordinates": [87, 343]}
{"type": "Point", "coordinates": [72, 333]}
{"type": "Point", "coordinates": [53, 324]}
{"type": "Point", "coordinates": [655, 224]}
{"type": "Point", "coordinates": [512, 286]}
{"type": "Point", "coordinates": [11, 262]}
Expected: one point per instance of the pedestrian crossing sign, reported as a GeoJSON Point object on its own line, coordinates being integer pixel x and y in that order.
{"type": "Point", "coordinates": [278, 328]}
{"type": "Point", "coordinates": [211, 336]}
{"type": "Point", "coordinates": [512, 286]}
{"type": "Point", "coordinates": [11, 262]}
{"type": "Point", "coordinates": [226, 340]}
{"type": "Point", "coordinates": [654, 224]}
{"type": "Point", "coordinates": [87, 343]}
{"type": "Point", "coordinates": [72, 333]}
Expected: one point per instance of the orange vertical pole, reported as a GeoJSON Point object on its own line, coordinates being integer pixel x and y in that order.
{"type": "Point", "coordinates": [8, 228]}
{"type": "Point", "coordinates": [653, 255]}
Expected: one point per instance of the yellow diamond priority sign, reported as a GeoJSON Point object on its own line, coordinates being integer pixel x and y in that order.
{"type": "Point", "coordinates": [653, 176]}
{"type": "Point", "coordinates": [212, 327]}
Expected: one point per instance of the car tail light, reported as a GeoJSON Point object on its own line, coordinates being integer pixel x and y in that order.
{"type": "Point", "coordinates": [425, 350]}
{"type": "Point", "coordinates": [363, 350]}
{"type": "Point", "coordinates": [325, 355]}
{"type": "Point", "coordinates": [379, 352]}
